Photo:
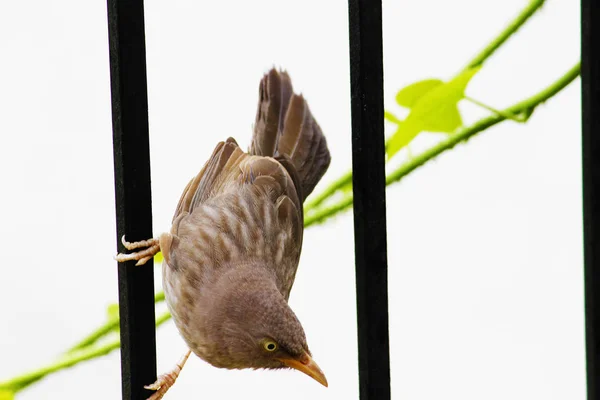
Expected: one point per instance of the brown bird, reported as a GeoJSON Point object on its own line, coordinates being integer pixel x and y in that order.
{"type": "Point", "coordinates": [231, 256]}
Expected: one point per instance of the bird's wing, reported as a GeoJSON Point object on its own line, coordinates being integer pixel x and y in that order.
{"type": "Point", "coordinates": [221, 164]}
{"type": "Point", "coordinates": [276, 181]}
{"type": "Point", "coordinates": [230, 169]}
{"type": "Point", "coordinates": [240, 208]}
{"type": "Point", "coordinates": [277, 213]}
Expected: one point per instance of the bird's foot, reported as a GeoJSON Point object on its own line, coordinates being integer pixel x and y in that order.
{"type": "Point", "coordinates": [151, 247]}
{"type": "Point", "coordinates": [165, 381]}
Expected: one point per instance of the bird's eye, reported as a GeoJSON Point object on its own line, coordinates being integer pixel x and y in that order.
{"type": "Point", "coordinates": [270, 345]}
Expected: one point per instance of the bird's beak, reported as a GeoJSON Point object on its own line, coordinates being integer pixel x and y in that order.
{"type": "Point", "coordinates": [306, 364]}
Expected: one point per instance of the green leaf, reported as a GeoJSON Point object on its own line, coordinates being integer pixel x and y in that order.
{"type": "Point", "coordinates": [402, 137]}
{"type": "Point", "coordinates": [458, 85]}
{"type": "Point", "coordinates": [445, 120]}
{"type": "Point", "coordinates": [409, 95]}
{"type": "Point", "coordinates": [435, 111]}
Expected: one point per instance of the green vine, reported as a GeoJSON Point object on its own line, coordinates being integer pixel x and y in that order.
{"type": "Point", "coordinates": [524, 108]}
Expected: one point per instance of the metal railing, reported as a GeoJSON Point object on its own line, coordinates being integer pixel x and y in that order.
{"type": "Point", "coordinates": [590, 91]}
{"type": "Point", "coordinates": [368, 182]}
{"type": "Point", "coordinates": [132, 192]}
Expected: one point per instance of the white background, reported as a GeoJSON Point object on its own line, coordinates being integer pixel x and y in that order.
{"type": "Point", "coordinates": [485, 242]}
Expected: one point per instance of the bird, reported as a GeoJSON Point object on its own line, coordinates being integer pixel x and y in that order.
{"type": "Point", "coordinates": [231, 255]}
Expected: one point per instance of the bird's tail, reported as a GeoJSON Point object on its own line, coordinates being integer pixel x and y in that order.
{"type": "Point", "coordinates": [285, 126]}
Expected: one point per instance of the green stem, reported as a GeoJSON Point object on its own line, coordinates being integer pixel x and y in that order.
{"type": "Point", "coordinates": [483, 124]}
{"type": "Point", "coordinates": [69, 360]}
{"type": "Point", "coordinates": [479, 59]}
{"type": "Point", "coordinates": [329, 190]}
{"type": "Point", "coordinates": [515, 118]}
{"type": "Point", "coordinates": [27, 379]}
{"type": "Point", "coordinates": [328, 211]}
{"type": "Point", "coordinates": [513, 27]}
{"type": "Point", "coordinates": [111, 325]}
{"type": "Point", "coordinates": [525, 106]}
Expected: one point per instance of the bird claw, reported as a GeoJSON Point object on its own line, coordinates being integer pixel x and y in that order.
{"type": "Point", "coordinates": [139, 244]}
{"type": "Point", "coordinates": [152, 246]}
{"type": "Point", "coordinates": [165, 381]}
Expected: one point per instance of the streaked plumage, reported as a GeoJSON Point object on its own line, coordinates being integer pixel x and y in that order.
{"type": "Point", "coordinates": [233, 249]}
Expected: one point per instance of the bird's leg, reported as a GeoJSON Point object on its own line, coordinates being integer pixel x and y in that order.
{"type": "Point", "coordinates": [152, 246]}
{"type": "Point", "coordinates": [165, 381]}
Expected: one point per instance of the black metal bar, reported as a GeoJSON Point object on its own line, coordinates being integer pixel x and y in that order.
{"type": "Point", "coordinates": [368, 166]}
{"type": "Point", "coordinates": [132, 192]}
{"type": "Point", "coordinates": [590, 89]}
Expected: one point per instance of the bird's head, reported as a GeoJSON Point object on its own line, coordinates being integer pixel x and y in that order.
{"type": "Point", "coordinates": [252, 326]}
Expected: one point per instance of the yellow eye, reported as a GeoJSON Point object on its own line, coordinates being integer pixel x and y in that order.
{"type": "Point", "coordinates": [270, 345]}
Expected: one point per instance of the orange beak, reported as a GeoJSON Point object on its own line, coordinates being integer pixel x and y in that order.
{"type": "Point", "coordinates": [307, 365]}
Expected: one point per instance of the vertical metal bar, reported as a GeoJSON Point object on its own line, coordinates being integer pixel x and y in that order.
{"type": "Point", "coordinates": [368, 167]}
{"type": "Point", "coordinates": [132, 192]}
{"type": "Point", "coordinates": [590, 85]}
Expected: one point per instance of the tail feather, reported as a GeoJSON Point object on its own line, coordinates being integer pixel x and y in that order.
{"type": "Point", "coordinates": [285, 126]}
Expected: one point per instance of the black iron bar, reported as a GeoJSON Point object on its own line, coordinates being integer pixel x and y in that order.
{"type": "Point", "coordinates": [590, 89]}
{"type": "Point", "coordinates": [132, 192]}
{"type": "Point", "coordinates": [368, 166]}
